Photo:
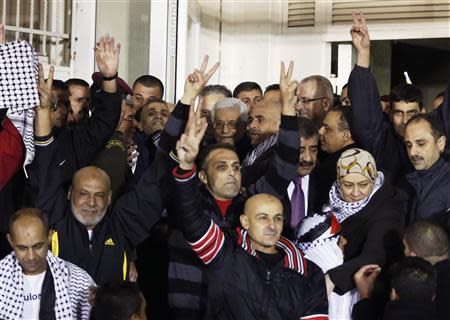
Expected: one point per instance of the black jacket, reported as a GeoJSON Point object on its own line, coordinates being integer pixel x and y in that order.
{"type": "Point", "coordinates": [106, 256]}
{"type": "Point", "coordinates": [79, 145]}
{"type": "Point", "coordinates": [324, 175]}
{"type": "Point", "coordinates": [375, 132]}
{"type": "Point", "coordinates": [240, 285]}
{"type": "Point", "coordinates": [443, 289]}
{"type": "Point", "coordinates": [432, 192]}
{"type": "Point", "coordinates": [394, 310]}
{"type": "Point", "coordinates": [187, 279]}
{"type": "Point", "coordinates": [374, 235]}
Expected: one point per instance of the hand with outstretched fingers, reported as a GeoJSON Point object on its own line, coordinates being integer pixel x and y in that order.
{"type": "Point", "coordinates": [288, 88]}
{"type": "Point", "coordinates": [189, 144]}
{"type": "Point", "coordinates": [197, 80]}
{"type": "Point", "coordinates": [107, 56]}
{"type": "Point", "coordinates": [45, 87]}
{"type": "Point", "coordinates": [361, 39]}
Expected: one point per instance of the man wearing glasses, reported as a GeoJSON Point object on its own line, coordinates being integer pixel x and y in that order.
{"type": "Point", "coordinates": [315, 98]}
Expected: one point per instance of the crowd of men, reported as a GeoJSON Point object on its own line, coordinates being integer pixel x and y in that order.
{"type": "Point", "coordinates": [287, 203]}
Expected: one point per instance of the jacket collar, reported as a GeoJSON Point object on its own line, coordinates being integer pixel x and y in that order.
{"type": "Point", "coordinates": [417, 175]}
{"type": "Point", "coordinates": [293, 258]}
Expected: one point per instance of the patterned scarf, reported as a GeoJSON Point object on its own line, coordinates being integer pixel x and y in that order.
{"type": "Point", "coordinates": [259, 150]}
{"type": "Point", "coordinates": [342, 209]}
{"type": "Point", "coordinates": [18, 89]}
{"type": "Point", "coordinates": [71, 289]}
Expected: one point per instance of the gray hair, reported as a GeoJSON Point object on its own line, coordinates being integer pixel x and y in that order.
{"type": "Point", "coordinates": [231, 103]}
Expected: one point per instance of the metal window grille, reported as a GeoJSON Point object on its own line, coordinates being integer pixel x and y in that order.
{"type": "Point", "coordinates": [45, 24]}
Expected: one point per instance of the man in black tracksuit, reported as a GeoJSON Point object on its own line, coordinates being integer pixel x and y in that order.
{"type": "Point", "coordinates": [86, 233]}
{"type": "Point", "coordinates": [252, 272]}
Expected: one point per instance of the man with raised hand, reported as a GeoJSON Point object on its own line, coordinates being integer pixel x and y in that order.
{"type": "Point", "coordinates": [86, 233]}
{"type": "Point", "coordinates": [252, 272]}
{"type": "Point", "coordinates": [79, 145]}
{"type": "Point", "coordinates": [383, 136]}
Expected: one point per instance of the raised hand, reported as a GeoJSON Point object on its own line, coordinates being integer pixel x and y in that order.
{"type": "Point", "coordinates": [45, 88]}
{"type": "Point", "coordinates": [361, 39]}
{"type": "Point", "coordinates": [189, 144]}
{"type": "Point", "coordinates": [107, 56]}
{"type": "Point", "coordinates": [288, 88]}
{"type": "Point", "coordinates": [197, 80]}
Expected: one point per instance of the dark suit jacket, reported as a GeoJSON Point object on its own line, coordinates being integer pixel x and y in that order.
{"type": "Point", "coordinates": [288, 232]}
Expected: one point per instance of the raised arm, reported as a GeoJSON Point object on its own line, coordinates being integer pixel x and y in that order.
{"type": "Point", "coordinates": [363, 92]}
{"type": "Point", "coordinates": [90, 137]}
{"type": "Point", "coordinates": [283, 164]}
{"type": "Point", "coordinates": [194, 84]}
{"type": "Point", "coordinates": [44, 172]}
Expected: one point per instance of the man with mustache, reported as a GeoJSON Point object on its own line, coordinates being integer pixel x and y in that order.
{"type": "Point", "coordinates": [229, 121]}
{"type": "Point", "coordinates": [383, 136]}
{"type": "Point", "coordinates": [425, 142]}
{"type": "Point", "coordinates": [299, 199]}
{"type": "Point", "coordinates": [335, 137]}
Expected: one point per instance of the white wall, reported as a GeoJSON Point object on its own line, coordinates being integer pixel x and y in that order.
{"type": "Point", "coordinates": [253, 42]}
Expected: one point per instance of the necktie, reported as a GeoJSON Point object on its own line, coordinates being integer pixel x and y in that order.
{"type": "Point", "coordinates": [297, 203]}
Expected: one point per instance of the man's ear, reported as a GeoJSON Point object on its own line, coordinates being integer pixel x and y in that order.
{"type": "Point", "coordinates": [109, 197]}
{"type": "Point", "coordinates": [69, 193]}
{"type": "Point", "coordinates": [140, 127]}
{"type": "Point", "coordinates": [423, 110]}
{"type": "Point", "coordinates": [244, 221]}
{"type": "Point", "coordinates": [327, 104]}
{"type": "Point", "coordinates": [203, 177]}
{"type": "Point", "coordinates": [50, 234]}
{"type": "Point", "coordinates": [347, 135]}
{"type": "Point", "coordinates": [10, 240]}
{"type": "Point", "coordinates": [441, 143]}
{"type": "Point", "coordinates": [394, 296]}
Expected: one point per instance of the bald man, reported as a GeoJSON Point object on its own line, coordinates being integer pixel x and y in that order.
{"type": "Point", "coordinates": [87, 232]}
{"type": "Point", "coordinates": [34, 284]}
{"type": "Point", "coordinates": [254, 272]}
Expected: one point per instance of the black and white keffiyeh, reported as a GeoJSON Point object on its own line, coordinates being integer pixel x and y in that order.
{"type": "Point", "coordinates": [18, 89]}
{"type": "Point", "coordinates": [342, 209]}
{"type": "Point", "coordinates": [259, 150]}
{"type": "Point", "coordinates": [71, 289]}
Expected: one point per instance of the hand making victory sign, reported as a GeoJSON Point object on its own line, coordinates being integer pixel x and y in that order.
{"type": "Point", "coordinates": [361, 39]}
{"type": "Point", "coordinates": [287, 90]}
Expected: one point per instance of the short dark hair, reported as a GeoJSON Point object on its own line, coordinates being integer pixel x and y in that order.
{"type": "Point", "coordinates": [246, 86]}
{"type": "Point", "coordinates": [29, 212]}
{"type": "Point", "coordinates": [138, 114]}
{"type": "Point", "coordinates": [59, 84]}
{"type": "Point", "coordinates": [150, 81]}
{"type": "Point", "coordinates": [201, 159]}
{"type": "Point", "coordinates": [414, 280]}
{"type": "Point", "coordinates": [216, 89]}
{"type": "Point", "coordinates": [406, 92]}
{"type": "Point", "coordinates": [116, 301]}
{"type": "Point", "coordinates": [272, 87]}
{"type": "Point", "coordinates": [76, 82]}
{"type": "Point", "coordinates": [345, 121]}
{"type": "Point", "coordinates": [306, 128]}
{"type": "Point", "coordinates": [437, 128]}
{"type": "Point", "coordinates": [427, 239]}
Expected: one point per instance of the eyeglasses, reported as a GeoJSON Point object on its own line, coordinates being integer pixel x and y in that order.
{"type": "Point", "coordinates": [220, 125]}
{"type": "Point", "coordinates": [306, 100]}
